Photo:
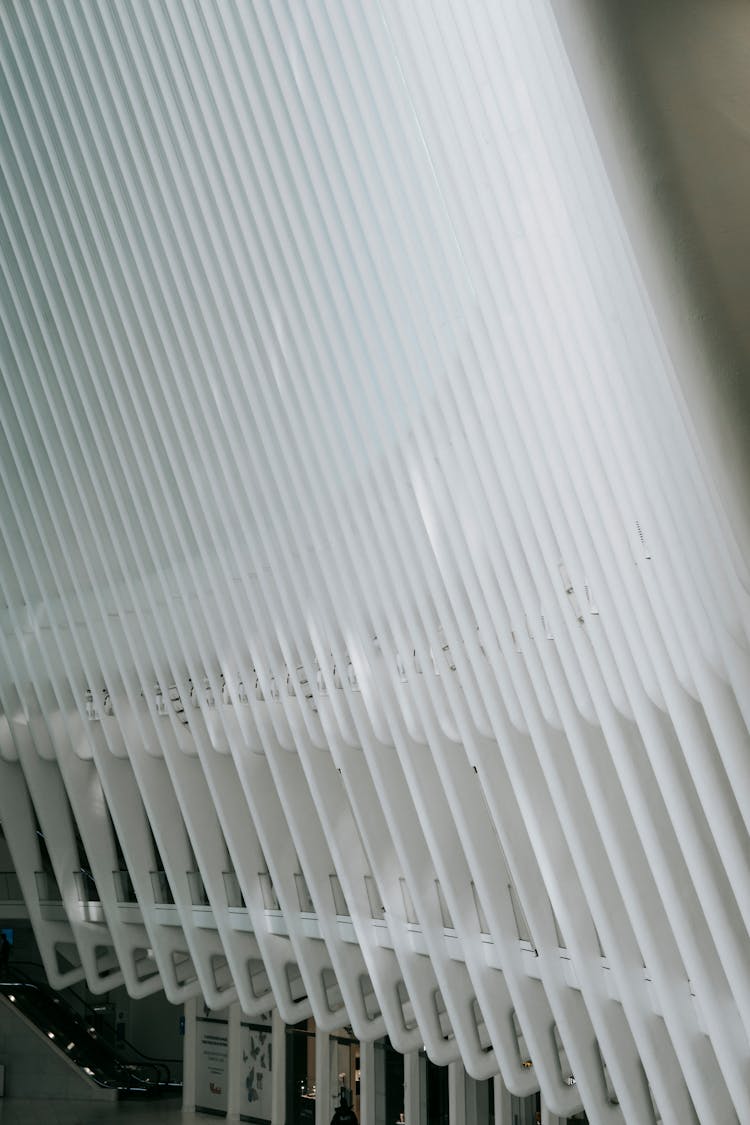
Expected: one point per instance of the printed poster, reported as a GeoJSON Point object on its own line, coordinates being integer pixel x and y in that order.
{"type": "Point", "coordinates": [255, 1099]}
{"type": "Point", "coordinates": [211, 1065]}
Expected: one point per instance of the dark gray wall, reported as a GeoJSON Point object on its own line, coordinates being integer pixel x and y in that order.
{"type": "Point", "coordinates": [667, 86]}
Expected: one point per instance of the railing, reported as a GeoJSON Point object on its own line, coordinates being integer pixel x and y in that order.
{"type": "Point", "coordinates": [46, 887]}
{"type": "Point", "coordinates": [232, 889]}
{"type": "Point", "coordinates": [304, 897]}
{"type": "Point", "coordinates": [33, 973]}
{"type": "Point", "coordinates": [270, 901]}
{"type": "Point", "coordinates": [10, 887]}
{"type": "Point", "coordinates": [374, 898]}
{"type": "Point", "coordinates": [86, 886]}
{"type": "Point", "coordinates": [124, 889]}
{"type": "Point", "coordinates": [339, 900]}
{"type": "Point", "coordinates": [198, 893]}
{"type": "Point", "coordinates": [81, 1029]}
{"type": "Point", "coordinates": [162, 890]}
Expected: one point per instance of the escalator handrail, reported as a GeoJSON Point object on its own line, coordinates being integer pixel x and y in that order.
{"type": "Point", "coordinates": [160, 1066]}
{"type": "Point", "coordinates": [88, 1009]}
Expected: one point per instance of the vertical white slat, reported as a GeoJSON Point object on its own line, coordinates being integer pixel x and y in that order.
{"type": "Point", "coordinates": [331, 370]}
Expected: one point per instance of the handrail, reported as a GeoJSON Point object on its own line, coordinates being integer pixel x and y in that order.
{"type": "Point", "coordinates": [8, 880]}
{"type": "Point", "coordinates": [47, 887]}
{"type": "Point", "coordinates": [94, 1055]}
{"type": "Point", "coordinates": [88, 1011]}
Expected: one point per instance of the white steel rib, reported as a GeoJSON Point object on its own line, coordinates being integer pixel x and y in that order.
{"type": "Point", "coordinates": [374, 639]}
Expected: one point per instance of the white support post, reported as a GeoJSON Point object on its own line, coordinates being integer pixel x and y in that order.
{"type": "Point", "coordinates": [548, 1117]}
{"type": "Point", "coordinates": [278, 1070]}
{"type": "Point", "coordinates": [456, 1094]}
{"type": "Point", "coordinates": [323, 1103]}
{"type": "Point", "coordinates": [475, 1101]}
{"type": "Point", "coordinates": [503, 1114]}
{"type": "Point", "coordinates": [367, 1083]}
{"type": "Point", "coordinates": [412, 1089]}
{"type": "Point", "coordinates": [188, 1055]}
{"type": "Point", "coordinates": [234, 1063]}
{"type": "Point", "coordinates": [378, 1082]}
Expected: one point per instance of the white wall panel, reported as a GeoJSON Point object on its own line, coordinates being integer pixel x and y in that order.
{"type": "Point", "coordinates": [360, 550]}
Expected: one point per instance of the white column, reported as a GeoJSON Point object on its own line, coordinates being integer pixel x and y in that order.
{"type": "Point", "coordinates": [475, 1096]}
{"type": "Point", "coordinates": [234, 1063]}
{"type": "Point", "coordinates": [456, 1094]}
{"type": "Point", "coordinates": [502, 1102]}
{"type": "Point", "coordinates": [278, 1069]}
{"type": "Point", "coordinates": [323, 1103]}
{"type": "Point", "coordinates": [550, 1118]}
{"type": "Point", "coordinates": [423, 1089]}
{"type": "Point", "coordinates": [378, 1083]}
{"type": "Point", "coordinates": [367, 1083]}
{"type": "Point", "coordinates": [189, 1047]}
{"type": "Point", "coordinates": [412, 1089]}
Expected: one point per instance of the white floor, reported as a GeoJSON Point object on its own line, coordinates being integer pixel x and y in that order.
{"type": "Point", "coordinates": [15, 1111]}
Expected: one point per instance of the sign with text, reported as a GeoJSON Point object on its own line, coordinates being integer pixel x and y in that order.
{"type": "Point", "coordinates": [211, 1072]}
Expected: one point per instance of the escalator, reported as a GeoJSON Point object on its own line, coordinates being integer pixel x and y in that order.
{"type": "Point", "coordinates": [109, 1061]}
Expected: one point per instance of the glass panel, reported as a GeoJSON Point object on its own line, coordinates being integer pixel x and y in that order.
{"type": "Point", "coordinates": [411, 914]}
{"type": "Point", "coordinates": [198, 894]}
{"type": "Point", "coordinates": [373, 897]}
{"type": "Point", "coordinates": [522, 926]}
{"type": "Point", "coordinates": [162, 891]}
{"type": "Point", "coordinates": [86, 887]}
{"type": "Point", "coordinates": [345, 1070]}
{"type": "Point", "coordinates": [300, 1074]}
{"type": "Point", "coordinates": [124, 889]}
{"type": "Point", "coordinates": [480, 1101]}
{"type": "Point", "coordinates": [270, 901]}
{"type": "Point", "coordinates": [306, 904]}
{"type": "Point", "coordinates": [390, 1065]}
{"type": "Point", "coordinates": [46, 887]}
{"type": "Point", "coordinates": [232, 889]}
{"type": "Point", "coordinates": [444, 911]}
{"type": "Point", "coordinates": [483, 924]}
{"type": "Point", "coordinates": [437, 1093]}
{"type": "Point", "coordinates": [339, 902]}
{"type": "Point", "coordinates": [525, 1111]}
{"type": "Point", "coordinates": [10, 888]}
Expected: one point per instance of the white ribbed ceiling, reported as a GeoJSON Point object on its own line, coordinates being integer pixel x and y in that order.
{"type": "Point", "coordinates": [336, 420]}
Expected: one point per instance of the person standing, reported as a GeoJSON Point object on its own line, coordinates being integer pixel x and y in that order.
{"type": "Point", "coordinates": [344, 1113]}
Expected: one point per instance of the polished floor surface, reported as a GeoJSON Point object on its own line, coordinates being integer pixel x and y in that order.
{"type": "Point", "coordinates": [15, 1111]}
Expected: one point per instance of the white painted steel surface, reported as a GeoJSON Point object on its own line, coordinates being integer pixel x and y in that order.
{"type": "Point", "coordinates": [363, 572]}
